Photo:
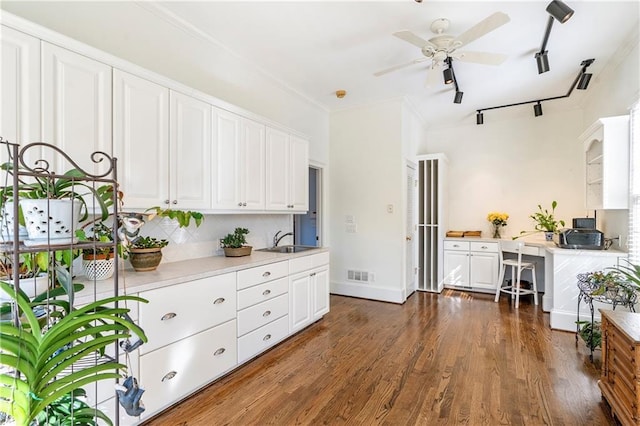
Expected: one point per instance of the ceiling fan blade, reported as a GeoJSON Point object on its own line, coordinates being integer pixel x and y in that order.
{"type": "Point", "coordinates": [397, 67]}
{"type": "Point", "coordinates": [481, 28]}
{"type": "Point", "coordinates": [410, 37]}
{"type": "Point", "coordinates": [485, 58]}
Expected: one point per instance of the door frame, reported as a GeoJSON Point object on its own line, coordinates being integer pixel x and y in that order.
{"type": "Point", "coordinates": [412, 210]}
{"type": "Point", "coordinates": [321, 196]}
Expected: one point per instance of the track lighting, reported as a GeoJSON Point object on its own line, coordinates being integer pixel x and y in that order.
{"type": "Point", "coordinates": [448, 75]}
{"type": "Point", "coordinates": [537, 109]}
{"type": "Point", "coordinates": [560, 11]}
{"type": "Point", "coordinates": [479, 118]}
{"type": "Point", "coordinates": [543, 62]}
{"type": "Point", "coordinates": [458, 98]}
{"type": "Point", "coordinates": [583, 83]}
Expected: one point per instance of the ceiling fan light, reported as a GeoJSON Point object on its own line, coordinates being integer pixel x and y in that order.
{"type": "Point", "coordinates": [448, 75]}
{"type": "Point", "coordinates": [543, 62]}
{"type": "Point", "coordinates": [583, 83]}
{"type": "Point", "coordinates": [560, 11]}
{"type": "Point", "coordinates": [479, 118]}
{"type": "Point", "coordinates": [458, 98]}
{"type": "Point", "coordinates": [537, 109]}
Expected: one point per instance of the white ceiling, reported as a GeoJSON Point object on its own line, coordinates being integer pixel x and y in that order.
{"type": "Point", "coordinates": [318, 47]}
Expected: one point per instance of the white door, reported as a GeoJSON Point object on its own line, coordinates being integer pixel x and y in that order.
{"type": "Point", "coordinates": [226, 160]}
{"type": "Point", "coordinates": [299, 177]}
{"type": "Point", "coordinates": [320, 292]}
{"type": "Point", "coordinates": [19, 90]}
{"type": "Point", "coordinates": [300, 293]}
{"type": "Point", "coordinates": [411, 261]}
{"type": "Point", "coordinates": [484, 270]}
{"type": "Point", "coordinates": [141, 140]}
{"type": "Point", "coordinates": [456, 268]}
{"type": "Point", "coordinates": [253, 165]}
{"type": "Point", "coordinates": [76, 107]}
{"type": "Point", "coordinates": [190, 152]}
{"type": "Point", "coordinates": [277, 182]}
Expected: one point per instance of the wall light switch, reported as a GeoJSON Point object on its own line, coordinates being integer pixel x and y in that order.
{"type": "Point", "coordinates": [389, 208]}
{"type": "Point", "coordinates": [352, 228]}
{"type": "Point", "coordinates": [349, 219]}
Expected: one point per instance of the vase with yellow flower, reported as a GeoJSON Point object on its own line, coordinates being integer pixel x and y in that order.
{"type": "Point", "coordinates": [498, 220]}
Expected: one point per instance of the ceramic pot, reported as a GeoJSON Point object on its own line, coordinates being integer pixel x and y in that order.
{"type": "Point", "coordinates": [548, 236]}
{"type": "Point", "coordinates": [237, 252]}
{"type": "Point", "coordinates": [51, 220]}
{"type": "Point", "coordinates": [31, 286]}
{"type": "Point", "coordinates": [7, 222]}
{"type": "Point", "coordinates": [145, 259]}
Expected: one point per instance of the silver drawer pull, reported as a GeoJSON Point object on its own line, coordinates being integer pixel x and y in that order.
{"type": "Point", "coordinates": [168, 316]}
{"type": "Point", "coordinates": [312, 275]}
{"type": "Point", "coordinates": [266, 313]}
{"type": "Point", "coordinates": [266, 274]}
{"type": "Point", "coordinates": [267, 337]}
{"type": "Point", "coordinates": [219, 352]}
{"type": "Point", "coordinates": [455, 245]}
{"type": "Point", "coordinates": [484, 247]}
{"type": "Point", "coordinates": [266, 292]}
{"type": "Point", "coordinates": [218, 301]}
{"type": "Point", "coordinates": [170, 375]}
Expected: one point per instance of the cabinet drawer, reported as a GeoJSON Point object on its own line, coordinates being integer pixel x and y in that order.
{"type": "Point", "coordinates": [456, 245]}
{"type": "Point", "coordinates": [181, 310]}
{"type": "Point", "coordinates": [174, 371]}
{"type": "Point", "coordinates": [258, 315]}
{"type": "Point", "coordinates": [259, 293]}
{"type": "Point", "coordinates": [263, 338]}
{"type": "Point", "coordinates": [487, 247]}
{"type": "Point", "coordinates": [262, 274]}
{"type": "Point", "coordinates": [305, 263]}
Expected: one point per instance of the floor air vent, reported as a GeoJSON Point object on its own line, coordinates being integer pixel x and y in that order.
{"type": "Point", "coordinates": [362, 276]}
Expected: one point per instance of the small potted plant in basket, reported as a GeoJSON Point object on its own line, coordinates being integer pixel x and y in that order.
{"type": "Point", "coordinates": [98, 261]}
{"type": "Point", "coordinates": [234, 244]}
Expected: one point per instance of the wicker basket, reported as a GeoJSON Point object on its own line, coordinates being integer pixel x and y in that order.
{"type": "Point", "coordinates": [237, 252]}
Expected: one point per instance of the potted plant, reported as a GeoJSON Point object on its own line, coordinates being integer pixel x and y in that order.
{"type": "Point", "coordinates": [546, 222]}
{"type": "Point", "coordinates": [234, 244]}
{"type": "Point", "coordinates": [98, 261]}
{"type": "Point", "coordinates": [145, 253]}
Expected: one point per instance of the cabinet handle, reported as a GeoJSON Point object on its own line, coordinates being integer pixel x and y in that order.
{"type": "Point", "coordinates": [239, 204]}
{"type": "Point", "coordinates": [170, 375]}
{"type": "Point", "coordinates": [455, 245]}
{"type": "Point", "coordinates": [166, 201]}
{"type": "Point", "coordinates": [266, 274]}
{"type": "Point", "coordinates": [266, 313]}
{"type": "Point", "coordinates": [219, 352]}
{"type": "Point", "coordinates": [266, 292]}
{"type": "Point", "coordinates": [174, 202]}
{"type": "Point", "coordinates": [218, 301]}
{"type": "Point", "coordinates": [484, 247]}
{"type": "Point", "coordinates": [267, 337]}
{"type": "Point", "coordinates": [168, 316]}
{"type": "Point", "coordinates": [312, 274]}
{"type": "Point", "coordinates": [244, 204]}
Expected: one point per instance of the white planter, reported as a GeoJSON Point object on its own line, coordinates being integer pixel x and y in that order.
{"type": "Point", "coordinates": [98, 269]}
{"type": "Point", "coordinates": [6, 224]}
{"type": "Point", "coordinates": [51, 220]}
{"type": "Point", "coordinates": [31, 286]}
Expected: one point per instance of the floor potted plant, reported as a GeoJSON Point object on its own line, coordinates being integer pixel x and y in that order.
{"type": "Point", "coordinates": [234, 244]}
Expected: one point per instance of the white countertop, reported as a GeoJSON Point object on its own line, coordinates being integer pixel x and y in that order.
{"type": "Point", "coordinates": [131, 282]}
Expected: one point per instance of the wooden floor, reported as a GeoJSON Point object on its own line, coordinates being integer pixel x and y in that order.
{"type": "Point", "coordinates": [454, 358]}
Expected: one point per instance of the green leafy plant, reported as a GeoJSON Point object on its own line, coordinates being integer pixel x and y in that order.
{"type": "Point", "coordinates": [182, 216]}
{"type": "Point", "coordinates": [545, 221]}
{"type": "Point", "coordinates": [149, 242]}
{"type": "Point", "coordinates": [71, 410]}
{"type": "Point", "coordinates": [631, 273]}
{"type": "Point", "coordinates": [235, 240]}
{"type": "Point", "coordinates": [100, 233]}
{"type": "Point", "coordinates": [590, 333]}
{"type": "Point", "coordinates": [36, 356]}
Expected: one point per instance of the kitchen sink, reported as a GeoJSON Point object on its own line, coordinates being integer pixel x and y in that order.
{"type": "Point", "coordinates": [288, 249]}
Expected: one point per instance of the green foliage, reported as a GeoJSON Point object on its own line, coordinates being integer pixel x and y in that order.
{"type": "Point", "coordinates": [545, 220]}
{"type": "Point", "coordinates": [631, 273]}
{"type": "Point", "coordinates": [70, 410]}
{"type": "Point", "coordinates": [182, 216]}
{"type": "Point", "coordinates": [235, 240]}
{"type": "Point", "coordinates": [39, 354]}
{"type": "Point", "coordinates": [149, 242]}
{"type": "Point", "coordinates": [101, 233]}
{"type": "Point", "coordinates": [592, 340]}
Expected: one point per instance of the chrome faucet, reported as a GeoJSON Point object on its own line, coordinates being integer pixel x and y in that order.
{"type": "Point", "coordinates": [277, 239]}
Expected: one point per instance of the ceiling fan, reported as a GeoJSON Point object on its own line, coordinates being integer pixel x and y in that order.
{"type": "Point", "coordinates": [443, 46]}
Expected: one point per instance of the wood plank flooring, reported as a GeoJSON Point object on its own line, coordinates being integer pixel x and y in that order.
{"type": "Point", "coordinates": [454, 358]}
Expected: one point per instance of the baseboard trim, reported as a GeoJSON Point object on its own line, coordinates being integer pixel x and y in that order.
{"type": "Point", "coordinates": [367, 292]}
{"type": "Point", "coordinates": [566, 320]}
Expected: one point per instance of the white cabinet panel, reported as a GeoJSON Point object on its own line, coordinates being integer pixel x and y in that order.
{"type": "Point", "coordinates": [261, 274]}
{"type": "Point", "coordinates": [141, 139]}
{"type": "Point", "coordinates": [261, 314]}
{"type": "Point", "coordinates": [253, 165]}
{"type": "Point", "coordinates": [484, 269]}
{"type": "Point", "coordinates": [300, 296]}
{"type": "Point", "coordinates": [287, 172]}
{"type": "Point", "coordinates": [259, 293]}
{"type": "Point", "coordinates": [259, 340]}
{"type": "Point", "coordinates": [456, 268]}
{"type": "Point", "coordinates": [76, 106]}
{"type": "Point", "coordinates": [471, 263]}
{"type": "Point", "coordinates": [19, 88]}
{"type": "Point", "coordinates": [299, 174]}
{"type": "Point", "coordinates": [321, 293]}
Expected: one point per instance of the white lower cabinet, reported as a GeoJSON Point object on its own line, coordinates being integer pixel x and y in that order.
{"type": "Point", "coordinates": [471, 264]}
{"type": "Point", "coordinates": [308, 289]}
{"type": "Point", "coordinates": [184, 366]}
{"type": "Point", "coordinates": [257, 341]}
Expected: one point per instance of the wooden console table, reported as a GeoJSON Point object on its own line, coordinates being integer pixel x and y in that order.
{"type": "Point", "coordinates": [620, 376]}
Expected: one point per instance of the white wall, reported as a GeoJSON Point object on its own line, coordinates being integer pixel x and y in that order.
{"type": "Point", "coordinates": [366, 176]}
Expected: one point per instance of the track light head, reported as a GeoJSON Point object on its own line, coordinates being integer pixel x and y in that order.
{"type": "Point", "coordinates": [479, 118]}
{"type": "Point", "coordinates": [537, 109]}
{"type": "Point", "coordinates": [543, 62]}
{"type": "Point", "coordinates": [458, 98]}
{"type": "Point", "coordinates": [560, 11]}
{"type": "Point", "coordinates": [448, 75]}
{"type": "Point", "coordinates": [583, 83]}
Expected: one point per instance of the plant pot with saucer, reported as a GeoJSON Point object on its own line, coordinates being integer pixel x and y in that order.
{"type": "Point", "coordinates": [234, 244]}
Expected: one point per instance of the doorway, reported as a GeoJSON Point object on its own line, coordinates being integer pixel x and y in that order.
{"type": "Point", "coordinates": [307, 227]}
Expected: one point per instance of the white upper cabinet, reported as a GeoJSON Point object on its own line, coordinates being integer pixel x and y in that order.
{"type": "Point", "coordinates": [76, 106]}
{"type": "Point", "coordinates": [287, 172]}
{"type": "Point", "coordinates": [190, 153]}
{"type": "Point", "coordinates": [606, 147]}
{"type": "Point", "coordinates": [141, 139]}
{"type": "Point", "coordinates": [19, 88]}
{"type": "Point", "coordinates": [239, 162]}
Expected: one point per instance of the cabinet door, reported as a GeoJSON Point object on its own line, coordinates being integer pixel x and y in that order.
{"type": "Point", "coordinates": [299, 177]}
{"type": "Point", "coordinates": [141, 139]}
{"type": "Point", "coordinates": [252, 165]}
{"type": "Point", "coordinates": [320, 293]}
{"type": "Point", "coordinates": [190, 152]}
{"type": "Point", "coordinates": [456, 268]}
{"type": "Point", "coordinates": [484, 270]}
{"type": "Point", "coordinates": [226, 173]}
{"type": "Point", "coordinates": [19, 89]}
{"type": "Point", "coordinates": [76, 106]}
{"type": "Point", "coordinates": [300, 293]}
{"type": "Point", "coordinates": [277, 182]}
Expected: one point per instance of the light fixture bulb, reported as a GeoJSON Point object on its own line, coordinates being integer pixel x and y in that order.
{"type": "Point", "coordinates": [537, 109]}
{"type": "Point", "coordinates": [560, 11]}
{"type": "Point", "coordinates": [448, 75]}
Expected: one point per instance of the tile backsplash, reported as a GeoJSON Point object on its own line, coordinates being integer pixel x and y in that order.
{"type": "Point", "coordinates": [203, 241]}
